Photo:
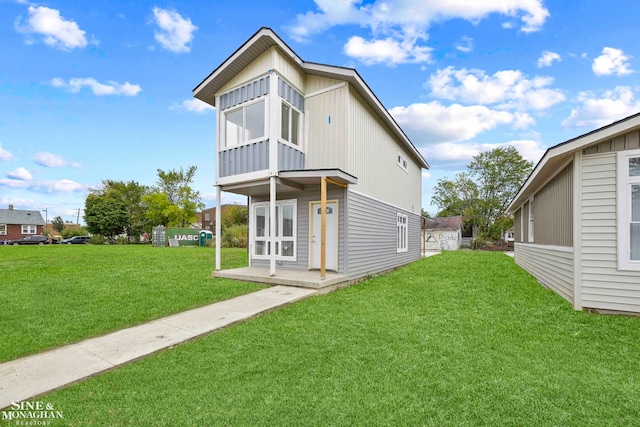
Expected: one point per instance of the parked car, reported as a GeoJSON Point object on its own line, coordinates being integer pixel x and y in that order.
{"type": "Point", "coordinates": [76, 240]}
{"type": "Point", "coordinates": [31, 240]}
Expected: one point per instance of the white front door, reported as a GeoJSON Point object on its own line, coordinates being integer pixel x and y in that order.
{"type": "Point", "coordinates": [332, 235]}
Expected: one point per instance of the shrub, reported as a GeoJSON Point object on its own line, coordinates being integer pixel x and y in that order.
{"type": "Point", "coordinates": [97, 239]}
{"type": "Point", "coordinates": [122, 240]}
{"type": "Point", "coordinates": [235, 236]}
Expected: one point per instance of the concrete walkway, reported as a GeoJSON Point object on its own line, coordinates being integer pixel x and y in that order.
{"type": "Point", "coordinates": [31, 376]}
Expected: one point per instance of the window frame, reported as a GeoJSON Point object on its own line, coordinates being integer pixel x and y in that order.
{"type": "Point", "coordinates": [279, 238]}
{"type": "Point", "coordinates": [402, 232]}
{"type": "Point", "coordinates": [531, 218]}
{"type": "Point", "coordinates": [3, 229]}
{"type": "Point", "coordinates": [29, 230]}
{"type": "Point", "coordinates": [292, 108]}
{"type": "Point", "coordinates": [624, 207]}
{"type": "Point", "coordinates": [242, 107]}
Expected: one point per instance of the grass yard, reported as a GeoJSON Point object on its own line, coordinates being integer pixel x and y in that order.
{"type": "Point", "coordinates": [460, 339]}
{"type": "Point", "coordinates": [55, 295]}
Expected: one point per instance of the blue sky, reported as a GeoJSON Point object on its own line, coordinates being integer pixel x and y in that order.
{"type": "Point", "coordinates": [102, 90]}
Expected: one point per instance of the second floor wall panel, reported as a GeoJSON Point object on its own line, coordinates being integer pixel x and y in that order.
{"type": "Point", "coordinates": [244, 159]}
{"type": "Point", "coordinates": [289, 158]}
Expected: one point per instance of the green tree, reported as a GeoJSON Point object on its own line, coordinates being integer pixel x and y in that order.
{"type": "Point", "coordinates": [233, 215]}
{"type": "Point", "coordinates": [132, 193]}
{"type": "Point", "coordinates": [173, 203]}
{"type": "Point", "coordinates": [482, 193]}
{"type": "Point", "coordinates": [58, 224]}
{"type": "Point", "coordinates": [106, 214]}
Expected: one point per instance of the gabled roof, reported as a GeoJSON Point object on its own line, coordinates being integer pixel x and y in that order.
{"type": "Point", "coordinates": [20, 217]}
{"type": "Point", "coordinates": [445, 223]}
{"type": "Point", "coordinates": [556, 157]}
{"type": "Point", "coordinates": [263, 40]}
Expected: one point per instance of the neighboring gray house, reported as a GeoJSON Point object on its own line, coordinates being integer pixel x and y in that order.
{"type": "Point", "coordinates": [16, 224]}
{"type": "Point", "coordinates": [334, 184]}
{"type": "Point", "coordinates": [577, 219]}
{"type": "Point", "coordinates": [442, 233]}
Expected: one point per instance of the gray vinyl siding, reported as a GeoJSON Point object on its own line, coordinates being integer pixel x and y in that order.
{"type": "Point", "coordinates": [552, 267]}
{"type": "Point", "coordinates": [553, 210]}
{"type": "Point", "coordinates": [312, 194]}
{"type": "Point", "coordinates": [516, 225]}
{"type": "Point", "coordinates": [525, 222]}
{"type": "Point", "coordinates": [603, 286]}
{"type": "Point", "coordinates": [245, 93]}
{"type": "Point", "coordinates": [629, 141]}
{"type": "Point", "coordinates": [244, 159]}
{"type": "Point", "coordinates": [289, 158]}
{"type": "Point", "coordinates": [291, 95]}
{"type": "Point", "coordinates": [372, 242]}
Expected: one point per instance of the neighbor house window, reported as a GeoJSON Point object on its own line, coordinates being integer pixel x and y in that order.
{"type": "Point", "coordinates": [245, 124]}
{"type": "Point", "coordinates": [403, 232]}
{"type": "Point", "coordinates": [290, 124]}
{"type": "Point", "coordinates": [207, 216]}
{"type": "Point", "coordinates": [629, 210]}
{"type": "Point", "coordinates": [402, 162]}
{"type": "Point", "coordinates": [531, 222]}
{"type": "Point", "coordinates": [29, 229]}
{"type": "Point", "coordinates": [3, 229]}
{"type": "Point", "coordinates": [285, 230]}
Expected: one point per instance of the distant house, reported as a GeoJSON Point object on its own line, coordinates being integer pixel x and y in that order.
{"type": "Point", "coordinates": [577, 219]}
{"type": "Point", "coordinates": [16, 224]}
{"type": "Point", "coordinates": [334, 184]}
{"type": "Point", "coordinates": [509, 235]}
{"type": "Point", "coordinates": [442, 233]}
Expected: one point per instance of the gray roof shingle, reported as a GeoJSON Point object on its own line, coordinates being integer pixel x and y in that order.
{"type": "Point", "coordinates": [15, 216]}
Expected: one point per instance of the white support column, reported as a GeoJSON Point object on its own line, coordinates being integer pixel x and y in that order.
{"type": "Point", "coordinates": [272, 225]}
{"type": "Point", "coordinates": [218, 234]}
{"type": "Point", "coordinates": [250, 233]}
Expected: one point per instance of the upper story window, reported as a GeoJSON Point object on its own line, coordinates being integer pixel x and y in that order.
{"type": "Point", "coordinates": [628, 210]}
{"type": "Point", "coordinates": [3, 229]}
{"type": "Point", "coordinates": [244, 124]}
{"type": "Point", "coordinates": [402, 162]}
{"type": "Point", "coordinates": [29, 229]}
{"type": "Point", "coordinates": [290, 124]}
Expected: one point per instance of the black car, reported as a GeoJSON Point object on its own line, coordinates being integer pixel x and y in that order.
{"type": "Point", "coordinates": [31, 240]}
{"type": "Point", "coordinates": [76, 240]}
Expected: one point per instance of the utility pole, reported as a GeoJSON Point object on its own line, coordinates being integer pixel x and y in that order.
{"type": "Point", "coordinates": [78, 218]}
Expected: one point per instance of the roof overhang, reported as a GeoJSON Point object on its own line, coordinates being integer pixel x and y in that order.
{"type": "Point", "coordinates": [263, 40]}
{"type": "Point", "coordinates": [293, 180]}
{"type": "Point", "coordinates": [556, 157]}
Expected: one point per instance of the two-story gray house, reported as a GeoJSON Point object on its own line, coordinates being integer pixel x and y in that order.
{"type": "Point", "coordinates": [334, 184]}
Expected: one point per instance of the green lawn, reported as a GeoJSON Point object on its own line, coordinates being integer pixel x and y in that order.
{"type": "Point", "coordinates": [54, 295]}
{"type": "Point", "coordinates": [463, 338]}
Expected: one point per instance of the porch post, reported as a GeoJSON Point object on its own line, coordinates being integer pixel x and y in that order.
{"type": "Point", "coordinates": [323, 228]}
{"type": "Point", "coordinates": [272, 225]}
{"type": "Point", "coordinates": [218, 235]}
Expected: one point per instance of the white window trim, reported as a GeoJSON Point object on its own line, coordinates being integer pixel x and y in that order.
{"type": "Point", "coordinates": [29, 230]}
{"type": "Point", "coordinates": [300, 127]}
{"type": "Point", "coordinates": [402, 162]}
{"type": "Point", "coordinates": [531, 219]}
{"type": "Point", "coordinates": [3, 229]}
{"type": "Point", "coordinates": [402, 228]}
{"type": "Point", "coordinates": [624, 182]}
{"type": "Point", "coordinates": [223, 130]}
{"type": "Point", "coordinates": [278, 239]}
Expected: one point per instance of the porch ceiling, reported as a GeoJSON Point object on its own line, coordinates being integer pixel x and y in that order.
{"type": "Point", "coordinates": [287, 181]}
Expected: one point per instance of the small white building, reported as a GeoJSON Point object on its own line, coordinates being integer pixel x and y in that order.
{"type": "Point", "coordinates": [443, 233]}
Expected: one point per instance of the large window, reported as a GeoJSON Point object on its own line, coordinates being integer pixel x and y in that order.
{"type": "Point", "coordinates": [629, 210]}
{"type": "Point", "coordinates": [403, 232]}
{"type": "Point", "coordinates": [290, 124]}
{"type": "Point", "coordinates": [284, 228]}
{"type": "Point", "coordinates": [3, 229]}
{"type": "Point", "coordinates": [245, 123]}
{"type": "Point", "coordinates": [29, 229]}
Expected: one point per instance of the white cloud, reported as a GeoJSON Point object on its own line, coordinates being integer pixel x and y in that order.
{"type": "Point", "coordinates": [434, 122]}
{"type": "Point", "coordinates": [98, 89]}
{"type": "Point", "coordinates": [612, 61]}
{"type": "Point", "coordinates": [50, 160]}
{"type": "Point", "coordinates": [508, 88]}
{"type": "Point", "coordinates": [175, 32]}
{"type": "Point", "coordinates": [193, 105]}
{"type": "Point", "coordinates": [20, 174]}
{"type": "Point", "coordinates": [55, 30]}
{"type": "Point", "coordinates": [387, 51]}
{"type": "Point", "coordinates": [55, 186]}
{"type": "Point", "coordinates": [396, 25]}
{"type": "Point", "coordinates": [5, 155]}
{"type": "Point", "coordinates": [547, 58]}
{"type": "Point", "coordinates": [463, 153]}
{"type": "Point", "coordinates": [465, 44]}
{"type": "Point", "coordinates": [597, 111]}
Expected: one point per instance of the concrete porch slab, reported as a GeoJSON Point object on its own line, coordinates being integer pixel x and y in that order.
{"type": "Point", "coordinates": [301, 279]}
